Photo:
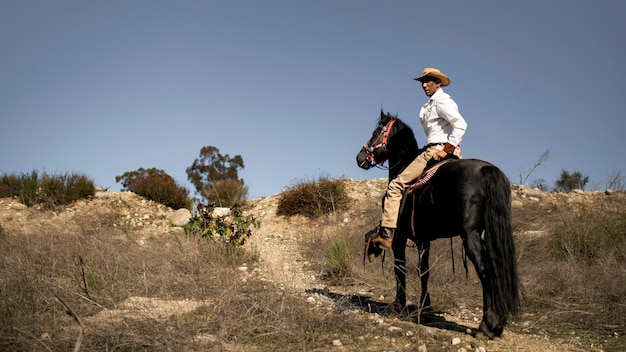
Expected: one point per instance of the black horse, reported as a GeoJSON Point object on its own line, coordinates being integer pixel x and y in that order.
{"type": "Point", "coordinates": [465, 197]}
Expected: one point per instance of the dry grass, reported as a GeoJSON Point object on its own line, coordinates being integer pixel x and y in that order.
{"type": "Point", "coordinates": [96, 267]}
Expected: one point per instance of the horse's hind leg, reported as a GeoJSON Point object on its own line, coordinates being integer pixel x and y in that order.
{"type": "Point", "coordinates": [424, 272]}
{"type": "Point", "coordinates": [490, 324]}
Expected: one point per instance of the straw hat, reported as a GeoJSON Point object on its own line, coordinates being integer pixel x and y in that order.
{"type": "Point", "coordinates": [433, 72]}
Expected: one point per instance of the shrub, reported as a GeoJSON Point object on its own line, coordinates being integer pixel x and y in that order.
{"type": "Point", "coordinates": [156, 185]}
{"type": "Point", "coordinates": [64, 189]}
{"type": "Point", "coordinates": [162, 189]}
{"type": "Point", "coordinates": [338, 259]}
{"type": "Point", "coordinates": [48, 189]}
{"type": "Point", "coordinates": [232, 230]}
{"type": "Point", "coordinates": [313, 199]}
{"type": "Point", "coordinates": [9, 185]}
{"type": "Point", "coordinates": [589, 235]}
{"type": "Point", "coordinates": [28, 188]}
{"type": "Point", "coordinates": [570, 181]}
{"type": "Point", "coordinates": [226, 193]}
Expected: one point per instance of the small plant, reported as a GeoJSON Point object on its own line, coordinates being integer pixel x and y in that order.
{"type": "Point", "coordinates": [338, 259]}
{"type": "Point", "coordinates": [233, 230]}
{"type": "Point", "coordinates": [313, 199]}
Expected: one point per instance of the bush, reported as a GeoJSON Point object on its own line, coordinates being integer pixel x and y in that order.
{"type": "Point", "coordinates": [156, 185]}
{"type": "Point", "coordinates": [570, 181]}
{"type": "Point", "coordinates": [65, 189]}
{"type": "Point", "coordinates": [28, 188]}
{"type": "Point", "coordinates": [163, 190]}
{"type": "Point", "coordinates": [313, 199]}
{"type": "Point", "coordinates": [233, 230]}
{"type": "Point", "coordinates": [589, 235]}
{"type": "Point", "coordinates": [9, 185]}
{"type": "Point", "coordinates": [338, 260]}
{"type": "Point", "coordinates": [226, 193]}
{"type": "Point", "coordinates": [47, 190]}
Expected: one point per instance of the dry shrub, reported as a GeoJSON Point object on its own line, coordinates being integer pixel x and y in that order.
{"type": "Point", "coordinates": [226, 193]}
{"type": "Point", "coordinates": [313, 198]}
{"type": "Point", "coordinates": [162, 189]}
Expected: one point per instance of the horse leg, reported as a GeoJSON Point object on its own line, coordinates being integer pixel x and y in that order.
{"type": "Point", "coordinates": [399, 268]}
{"type": "Point", "coordinates": [490, 324]}
{"type": "Point", "coordinates": [424, 272]}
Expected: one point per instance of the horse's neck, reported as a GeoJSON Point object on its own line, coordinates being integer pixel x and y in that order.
{"type": "Point", "coordinates": [396, 167]}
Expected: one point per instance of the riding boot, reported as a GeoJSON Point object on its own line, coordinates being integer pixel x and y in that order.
{"type": "Point", "coordinates": [384, 238]}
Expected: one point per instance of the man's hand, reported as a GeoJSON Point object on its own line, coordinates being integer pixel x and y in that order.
{"type": "Point", "coordinates": [440, 154]}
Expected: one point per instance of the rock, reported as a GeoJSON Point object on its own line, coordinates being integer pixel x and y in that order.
{"type": "Point", "coordinates": [533, 192]}
{"type": "Point", "coordinates": [102, 195]}
{"type": "Point", "coordinates": [394, 328]}
{"type": "Point", "coordinates": [180, 217]}
{"type": "Point", "coordinates": [221, 212]}
{"type": "Point", "coordinates": [456, 341]}
{"type": "Point", "coordinates": [18, 206]}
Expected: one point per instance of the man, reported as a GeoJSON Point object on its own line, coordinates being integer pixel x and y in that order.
{"type": "Point", "coordinates": [444, 127]}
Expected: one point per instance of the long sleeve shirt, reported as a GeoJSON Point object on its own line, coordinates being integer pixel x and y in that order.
{"type": "Point", "coordinates": [441, 120]}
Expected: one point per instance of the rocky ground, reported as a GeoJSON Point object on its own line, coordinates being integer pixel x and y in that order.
{"type": "Point", "coordinates": [279, 242]}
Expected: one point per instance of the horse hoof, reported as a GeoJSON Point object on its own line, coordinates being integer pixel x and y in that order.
{"type": "Point", "coordinates": [484, 332]}
{"type": "Point", "coordinates": [481, 336]}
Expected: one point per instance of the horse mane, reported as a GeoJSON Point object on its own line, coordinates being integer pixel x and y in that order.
{"type": "Point", "coordinates": [402, 139]}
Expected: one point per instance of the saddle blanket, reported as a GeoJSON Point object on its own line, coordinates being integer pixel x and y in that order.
{"type": "Point", "coordinates": [424, 178]}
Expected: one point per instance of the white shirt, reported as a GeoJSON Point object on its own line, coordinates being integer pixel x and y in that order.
{"type": "Point", "coordinates": [441, 119]}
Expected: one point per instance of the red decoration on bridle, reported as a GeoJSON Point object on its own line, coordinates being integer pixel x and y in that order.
{"type": "Point", "coordinates": [383, 137]}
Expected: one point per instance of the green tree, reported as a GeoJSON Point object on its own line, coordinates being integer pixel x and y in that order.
{"type": "Point", "coordinates": [216, 177]}
{"type": "Point", "coordinates": [570, 181]}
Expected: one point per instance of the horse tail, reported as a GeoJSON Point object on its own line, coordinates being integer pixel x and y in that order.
{"type": "Point", "coordinates": [500, 257]}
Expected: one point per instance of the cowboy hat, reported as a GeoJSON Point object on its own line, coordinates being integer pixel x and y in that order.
{"type": "Point", "coordinates": [433, 72]}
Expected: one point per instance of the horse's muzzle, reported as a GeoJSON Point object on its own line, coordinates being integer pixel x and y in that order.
{"type": "Point", "coordinates": [362, 159]}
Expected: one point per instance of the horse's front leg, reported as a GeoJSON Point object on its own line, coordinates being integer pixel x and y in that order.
{"type": "Point", "coordinates": [424, 272]}
{"type": "Point", "coordinates": [399, 268]}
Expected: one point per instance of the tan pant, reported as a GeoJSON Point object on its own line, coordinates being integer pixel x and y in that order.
{"type": "Point", "coordinates": [396, 187]}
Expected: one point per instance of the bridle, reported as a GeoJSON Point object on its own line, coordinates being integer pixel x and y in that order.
{"type": "Point", "coordinates": [380, 142]}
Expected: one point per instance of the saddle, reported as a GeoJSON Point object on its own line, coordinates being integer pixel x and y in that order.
{"type": "Point", "coordinates": [431, 168]}
{"type": "Point", "coordinates": [371, 252]}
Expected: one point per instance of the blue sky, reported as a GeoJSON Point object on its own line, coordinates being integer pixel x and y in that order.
{"type": "Point", "coordinates": [295, 87]}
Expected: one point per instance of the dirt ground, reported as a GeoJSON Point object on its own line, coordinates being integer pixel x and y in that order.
{"type": "Point", "coordinates": [279, 242]}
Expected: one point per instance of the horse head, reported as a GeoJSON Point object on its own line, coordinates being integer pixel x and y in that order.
{"type": "Point", "coordinates": [374, 151]}
{"type": "Point", "coordinates": [392, 140]}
